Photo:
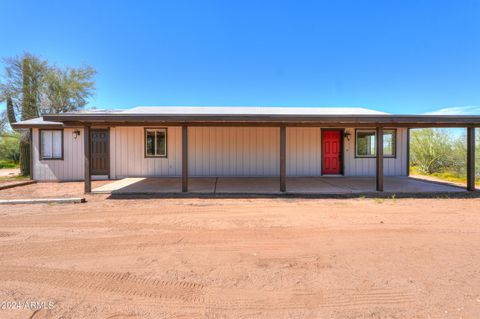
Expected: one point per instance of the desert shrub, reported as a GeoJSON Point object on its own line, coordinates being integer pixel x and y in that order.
{"type": "Point", "coordinates": [9, 148]}
{"type": "Point", "coordinates": [432, 150]}
{"type": "Point", "coordinates": [435, 151]}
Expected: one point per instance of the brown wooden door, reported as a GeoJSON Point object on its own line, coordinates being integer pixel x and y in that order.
{"type": "Point", "coordinates": [331, 150]}
{"type": "Point", "coordinates": [100, 154]}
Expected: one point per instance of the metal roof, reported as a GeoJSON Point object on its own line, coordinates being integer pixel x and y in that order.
{"type": "Point", "coordinates": [267, 116]}
{"type": "Point", "coordinates": [249, 110]}
{"type": "Point", "coordinates": [36, 122]}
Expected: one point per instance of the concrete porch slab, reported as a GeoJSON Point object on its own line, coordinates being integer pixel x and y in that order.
{"type": "Point", "coordinates": [143, 185]}
{"type": "Point", "coordinates": [270, 185]}
{"type": "Point", "coordinates": [413, 185]}
{"type": "Point", "coordinates": [248, 185]}
{"type": "Point", "coordinates": [312, 185]}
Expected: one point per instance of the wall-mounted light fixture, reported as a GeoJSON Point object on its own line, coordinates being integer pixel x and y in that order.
{"type": "Point", "coordinates": [76, 133]}
{"type": "Point", "coordinates": [347, 135]}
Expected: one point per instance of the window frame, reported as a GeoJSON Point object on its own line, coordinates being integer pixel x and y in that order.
{"type": "Point", "coordinates": [40, 150]}
{"type": "Point", "coordinates": [394, 130]}
{"type": "Point", "coordinates": [145, 129]}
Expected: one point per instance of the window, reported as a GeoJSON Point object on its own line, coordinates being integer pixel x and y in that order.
{"type": "Point", "coordinates": [156, 142]}
{"type": "Point", "coordinates": [51, 144]}
{"type": "Point", "coordinates": [389, 142]}
{"type": "Point", "coordinates": [365, 141]}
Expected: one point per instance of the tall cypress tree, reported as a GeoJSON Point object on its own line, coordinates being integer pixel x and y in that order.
{"type": "Point", "coordinates": [32, 70]}
{"type": "Point", "coordinates": [21, 93]}
{"type": "Point", "coordinates": [33, 87]}
{"type": "Point", "coordinates": [10, 111]}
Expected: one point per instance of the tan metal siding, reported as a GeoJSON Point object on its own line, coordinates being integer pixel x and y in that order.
{"type": "Point", "coordinates": [366, 166]}
{"type": "Point", "coordinates": [303, 151]}
{"type": "Point", "coordinates": [214, 151]}
{"type": "Point", "coordinates": [68, 169]}
{"type": "Point", "coordinates": [234, 151]}
{"type": "Point", "coordinates": [128, 154]}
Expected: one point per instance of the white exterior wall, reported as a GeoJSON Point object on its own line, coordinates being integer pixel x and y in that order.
{"type": "Point", "coordinates": [68, 169]}
{"type": "Point", "coordinates": [127, 154]}
{"type": "Point", "coordinates": [366, 166]}
{"type": "Point", "coordinates": [304, 150]}
{"type": "Point", "coordinates": [212, 151]}
{"type": "Point", "coordinates": [215, 151]}
{"type": "Point", "coordinates": [233, 151]}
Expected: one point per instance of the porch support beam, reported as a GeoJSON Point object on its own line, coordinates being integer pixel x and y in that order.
{"type": "Point", "coordinates": [379, 166]}
{"type": "Point", "coordinates": [184, 158]}
{"type": "Point", "coordinates": [87, 159]}
{"type": "Point", "coordinates": [408, 151]}
{"type": "Point", "coordinates": [471, 158]}
{"type": "Point", "coordinates": [283, 158]}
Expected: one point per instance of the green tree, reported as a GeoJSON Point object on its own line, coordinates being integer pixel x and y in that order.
{"type": "Point", "coordinates": [432, 150]}
{"type": "Point", "coordinates": [9, 147]}
{"type": "Point", "coordinates": [3, 122]}
{"type": "Point", "coordinates": [33, 87]}
{"type": "Point", "coordinates": [22, 86]}
{"type": "Point", "coordinates": [10, 115]}
{"type": "Point", "coordinates": [22, 91]}
{"type": "Point", "coordinates": [459, 155]}
{"type": "Point", "coordinates": [67, 89]}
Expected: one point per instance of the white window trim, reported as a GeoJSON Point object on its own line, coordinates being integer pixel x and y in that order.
{"type": "Point", "coordinates": [41, 150]}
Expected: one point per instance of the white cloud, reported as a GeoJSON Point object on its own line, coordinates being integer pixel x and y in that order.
{"type": "Point", "coordinates": [457, 110]}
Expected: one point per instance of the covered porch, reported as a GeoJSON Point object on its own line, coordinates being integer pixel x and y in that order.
{"type": "Point", "coordinates": [278, 121]}
{"type": "Point", "coordinates": [269, 185]}
{"type": "Point", "coordinates": [283, 183]}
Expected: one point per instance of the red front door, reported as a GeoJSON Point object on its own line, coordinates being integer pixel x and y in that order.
{"type": "Point", "coordinates": [331, 152]}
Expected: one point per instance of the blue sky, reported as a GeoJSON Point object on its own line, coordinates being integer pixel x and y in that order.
{"type": "Point", "coordinates": [399, 56]}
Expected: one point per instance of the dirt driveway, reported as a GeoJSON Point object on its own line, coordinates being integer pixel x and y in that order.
{"type": "Point", "coordinates": [242, 258]}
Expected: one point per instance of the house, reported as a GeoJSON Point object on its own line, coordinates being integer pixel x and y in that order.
{"type": "Point", "coordinates": [188, 142]}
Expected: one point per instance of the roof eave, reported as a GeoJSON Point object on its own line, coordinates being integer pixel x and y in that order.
{"type": "Point", "coordinates": [379, 119]}
{"type": "Point", "coordinates": [36, 125]}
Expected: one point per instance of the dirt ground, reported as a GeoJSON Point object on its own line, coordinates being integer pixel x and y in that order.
{"type": "Point", "coordinates": [238, 258]}
{"type": "Point", "coordinates": [9, 172]}
{"type": "Point", "coordinates": [47, 190]}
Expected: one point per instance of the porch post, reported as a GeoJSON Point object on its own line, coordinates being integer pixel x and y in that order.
{"type": "Point", "coordinates": [471, 158]}
{"type": "Point", "coordinates": [379, 170]}
{"type": "Point", "coordinates": [184, 158]}
{"type": "Point", "coordinates": [408, 151]}
{"type": "Point", "coordinates": [87, 159]}
{"type": "Point", "coordinates": [283, 158]}
{"type": "Point", "coordinates": [31, 153]}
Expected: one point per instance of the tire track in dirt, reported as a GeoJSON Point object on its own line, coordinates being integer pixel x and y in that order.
{"type": "Point", "coordinates": [368, 297]}
{"type": "Point", "coordinates": [256, 300]}
{"type": "Point", "coordinates": [198, 295]}
{"type": "Point", "coordinates": [223, 238]}
{"type": "Point", "coordinates": [5, 234]}
{"type": "Point", "coordinates": [125, 284]}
